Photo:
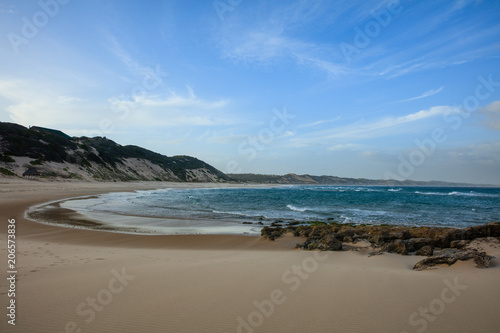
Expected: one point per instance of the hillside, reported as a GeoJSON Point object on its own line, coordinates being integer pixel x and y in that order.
{"type": "Point", "coordinates": [56, 155]}
{"type": "Point", "coordinates": [292, 178]}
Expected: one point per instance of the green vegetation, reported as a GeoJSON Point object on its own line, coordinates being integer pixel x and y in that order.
{"type": "Point", "coordinates": [330, 180]}
{"type": "Point", "coordinates": [7, 172]}
{"type": "Point", "coordinates": [47, 145]}
{"type": "Point", "coordinates": [255, 178]}
{"type": "Point", "coordinates": [318, 223]}
{"type": "Point", "coordinates": [6, 158]}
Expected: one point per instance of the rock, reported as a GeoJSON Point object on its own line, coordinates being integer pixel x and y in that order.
{"type": "Point", "coordinates": [451, 256]}
{"type": "Point", "coordinates": [397, 246]}
{"type": "Point", "coordinates": [404, 235]}
{"type": "Point", "coordinates": [382, 238]}
{"type": "Point", "coordinates": [486, 230]}
{"type": "Point", "coordinates": [459, 244]}
{"type": "Point", "coordinates": [482, 260]}
{"type": "Point", "coordinates": [327, 243]}
{"type": "Point", "coordinates": [272, 233]}
{"type": "Point", "coordinates": [363, 236]}
{"type": "Point", "coordinates": [444, 240]}
{"type": "Point", "coordinates": [332, 244]}
{"type": "Point", "coordinates": [312, 246]}
{"type": "Point", "coordinates": [348, 239]}
{"type": "Point", "coordinates": [415, 244]}
{"type": "Point", "coordinates": [425, 251]}
{"type": "Point", "coordinates": [434, 261]}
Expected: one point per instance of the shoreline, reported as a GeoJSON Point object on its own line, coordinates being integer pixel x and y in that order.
{"type": "Point", "coordinates": [51, 213]}
{"type": "Point", "coordinates": [193, 283]}
{"type": "Point", "coordinates": [78, 212]}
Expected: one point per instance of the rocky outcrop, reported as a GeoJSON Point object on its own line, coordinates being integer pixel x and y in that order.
{"type": "Point", "coordinates": [425, 251]}
{"type": "Point", "coordinates": [327, 243]}
{"type": "Point", "coordinates": [271, 233]}
{"type": "Point", "coordinates": [397, 246]}
{"type": "Point", "coordinates": [451, 256]}
{"type": "Point", "coordinates": [415, 244]}
{"type": "Point", "coordinates": [423, 241]}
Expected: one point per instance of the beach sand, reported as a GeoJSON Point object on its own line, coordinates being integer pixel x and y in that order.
{"type": "Point", "coordinates": [71, 280]}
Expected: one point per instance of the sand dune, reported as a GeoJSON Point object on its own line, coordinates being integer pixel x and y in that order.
{"type": "Point", "coordinates": [88, 281]}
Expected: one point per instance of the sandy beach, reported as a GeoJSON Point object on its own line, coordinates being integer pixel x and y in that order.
{"type": "Point", "coordinates": [71, 280]}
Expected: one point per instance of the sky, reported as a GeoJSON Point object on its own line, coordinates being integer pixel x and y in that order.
{"type": "Point", "coordinates": [364, 89]}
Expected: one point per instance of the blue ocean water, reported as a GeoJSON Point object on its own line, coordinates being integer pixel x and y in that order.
{"type": "Point", "coordinates": [415, 206]}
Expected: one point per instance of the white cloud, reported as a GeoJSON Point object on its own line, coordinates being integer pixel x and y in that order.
{"type": "Point", "coordinates": [173, 110]}
{"type": "Point", "coordinates": [491, 114]}
{"type": "Point", "coordinates": [366, 130]}
{"type": "Point", "coordinates": [272, 39]}
{"type": "Point", "coordinates": [271, 47]}
{"type": "Point", "coordinates": [460, 4]}
{"type": "Point", "coordinates": [486, 153]}
{"type": "Point", "coordinates": [428, 93]}
{"type": "Point", "coordinates": [176, 101]}
{"type": "Point", "coordinates": [231, 139]}
{"type": "Point", "coordinates": [347, 146]}
{"type": "Point", "coordinates": [68, 99]}
{"type": "Point", "coordinates": [381, 127]}
{"type": "Point", "coordinates": [320, 122]}
{"type": "Point", "coordinates": [119, 51]}
{"type": "Point", "coordinates": [31, 103]}
{"type": "Point", "coordinates": [6, 10]}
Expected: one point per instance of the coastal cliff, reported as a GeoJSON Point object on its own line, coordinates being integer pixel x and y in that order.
{"type": "Point", "coordinates": [48, 153]}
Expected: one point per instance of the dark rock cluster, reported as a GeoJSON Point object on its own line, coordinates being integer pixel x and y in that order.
{"type": "Point", "coordinates": [440, 245]}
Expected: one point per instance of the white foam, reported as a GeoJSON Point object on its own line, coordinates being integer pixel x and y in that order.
{"type": "Point", "coordinates": [296, 209]}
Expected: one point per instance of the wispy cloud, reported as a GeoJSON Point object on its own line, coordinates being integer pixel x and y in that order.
{"type": "Point", "coordinates": [124, 56]}
{"type": "Point", "coordinates": [428, 93]}
{"type": "Point", "coordinates": [362, 130]}
{"type": "Point", "coordinates": [273, 39]}
{"type": "Point", "coordinates": [347, 147]}
{"type": "Point", "coordinates": [320, 122]}
{"type": "Point", "coordinates": [6, 10]}
{"type": "Point", "coordinates": [174, 101]}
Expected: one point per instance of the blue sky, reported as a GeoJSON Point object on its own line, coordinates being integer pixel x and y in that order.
{"type": "Point", "coordinates": [373, 89]}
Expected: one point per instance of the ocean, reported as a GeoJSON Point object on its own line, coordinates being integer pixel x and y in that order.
{"type": "Point", "coordinates": [244, 210]}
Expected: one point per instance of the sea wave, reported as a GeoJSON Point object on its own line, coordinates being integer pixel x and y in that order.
{"type": "Point", "coordinates": [296, 209]}
{"type": "Point", "coordinates": [430, 193]}
{"type": "Point", "coordinates": [473, 194]}
{"type": "Point", "coordinates": [458, 193]}
{"type": "Point", "coordinates": [237, 213]}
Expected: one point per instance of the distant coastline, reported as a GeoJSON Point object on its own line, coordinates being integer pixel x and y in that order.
{"type": "Point", "coordinates": [294, 179]}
